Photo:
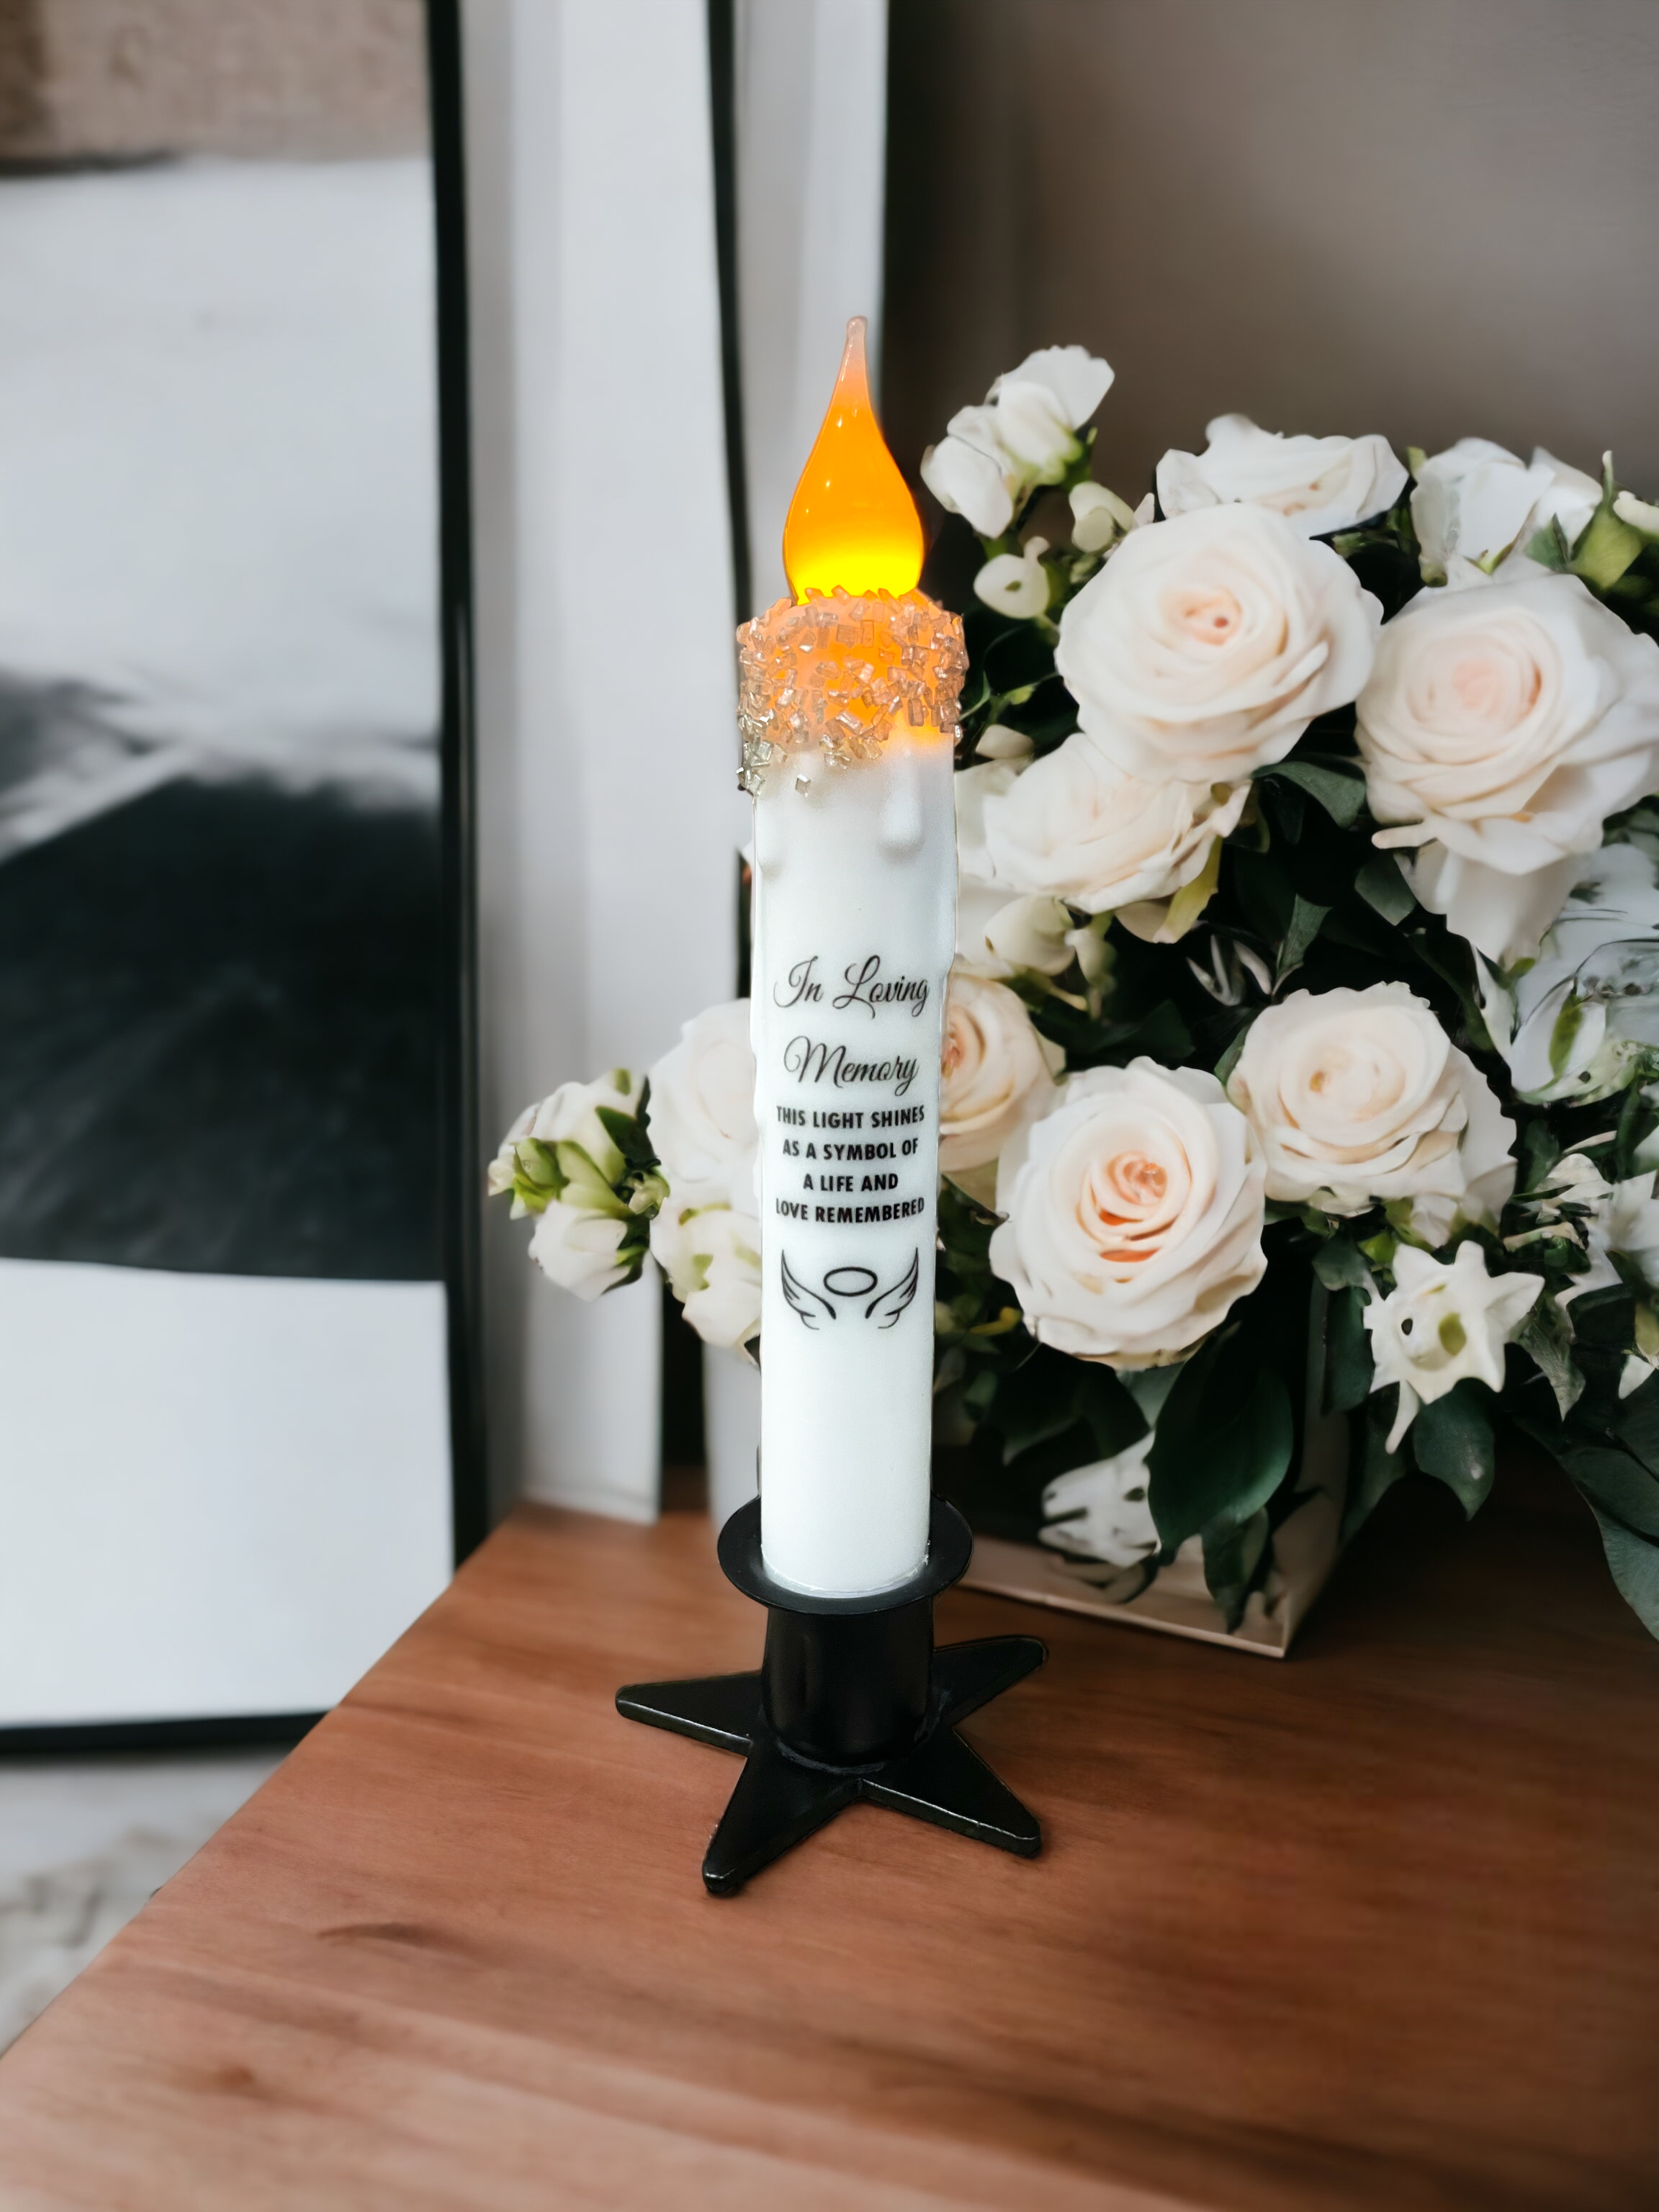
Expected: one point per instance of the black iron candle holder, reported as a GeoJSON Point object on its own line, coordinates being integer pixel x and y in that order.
{"type": "Point", "coordinates": [852, 1700]}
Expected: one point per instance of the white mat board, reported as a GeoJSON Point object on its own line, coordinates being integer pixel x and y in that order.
{"type": "Point", "coordinates": [218, 1494]}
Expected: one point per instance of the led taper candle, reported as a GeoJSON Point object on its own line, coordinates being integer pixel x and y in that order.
{"type": "Point", "coordinates": [849, 695]}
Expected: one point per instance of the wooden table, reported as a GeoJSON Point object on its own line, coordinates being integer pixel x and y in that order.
{"type": "Point", "coordinates": [1372, 1928]}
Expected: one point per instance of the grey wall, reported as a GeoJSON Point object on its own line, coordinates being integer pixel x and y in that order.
{"type": "Point", "coordinates": [1429, 218]}
{"type": "Point", "coordinates": [86, 80]}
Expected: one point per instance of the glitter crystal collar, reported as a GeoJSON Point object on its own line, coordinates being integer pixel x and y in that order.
{"type": "Point", "coordinates": [836, 674]}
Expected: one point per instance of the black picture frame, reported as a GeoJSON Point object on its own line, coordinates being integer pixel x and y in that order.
{"type": "Point", "coordinates": [460, 1195]}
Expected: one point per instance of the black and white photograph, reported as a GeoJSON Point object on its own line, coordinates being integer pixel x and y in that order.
{"type": "Point", "coordinates": [224, 1426]}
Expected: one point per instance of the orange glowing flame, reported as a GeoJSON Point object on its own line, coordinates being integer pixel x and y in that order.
{"type": "Point", "coordinates": [852, 521]}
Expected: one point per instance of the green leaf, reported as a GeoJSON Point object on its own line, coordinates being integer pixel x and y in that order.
{"type": "Point", "coordinates": [1233, 1550]}
{"type": "Point", "coordinates": [1305, 920]}
{"type": "Point", "coordinates": [1606, 549]}
{"type": "Point", "coordinates": [1379, 1468]}
{"type": "Point", "coordinates": [1616, 1484]}
{"type": "Point", "coordinates": [1349, 1369]}
{"type": "Point", "coordinates": [1549, 547]}
{"type": "Point", "coordinates": [536, 1163]}
{"type": "Point", "coordinates": [627, 1132]}
{"type": "Point", "coordinates": [1546, 1338]}
{"type": "Point", "coordinates": [1229, 1060]}
{"type": "Point", "coordinates": [1562, 1034]}
{"type": "Point", "coordinates": [1190, 901]}
{"type": "Point", "coordinates": [1341, 1266]}
{"type": "Point", "coordinates": [1634, 1564]}
{"type": "Point", "coordinates": [1110, 1412]}
{"type": "Point", "coordinates": [1381, 886]}
{"type": "Point", "coordinates": [1204, 1463]}
{"type": "Point", "coordinates": [1342, 796]}
{"type": "Point", "coordinates": [1037, 1402]}
{"type": "Point", "coordinates": [1537, 1152]}
{"type": "Point", "coordinates": [1637, 1423]}
{"type": "Point", "coordinates": [1452, 1441]}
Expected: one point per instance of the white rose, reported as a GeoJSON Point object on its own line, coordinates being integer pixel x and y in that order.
{"type": "Point", "coordinates": [996, 1074]}
{"type": "Point", "coordinates": [1034, 934]}
{"type": "Point", "coordinates": [1572, 1025]}
{"type": "Point", "coordinates": [711, 1255]}
{"type": "Point", "coordinates": [1624, 1219]}
{"type": "Point", "coordinates": [581, 1222]}
{"type": "Point", "coordinates": [703, 1108]}
{"type": "Point", "coordinates": [575, 1246]}
{"type": "Point", "coordinates": [1476, 506]}
{"type": "Point", "coordinates": [993, 456]}
{"type": "Point", "coordinates": [1320, 484]}
{"type": "Point", "coordinates": [1441, 1324]}
{"type": "Point", "coordinates": [1207, 644]}
{"type": "Point", "coordinates": [1101, 1512]}
{"type": "Point", "coordinates": [1075, 380]}
{"type": "Point", "coordinates": [998, 930]}
{"type": "Point", "coordinates": [980, 898]}
{"type": "Point", "coordinates": [1016, 583]}
{"type": "Point", "coordinates": [1135, 1214]}
{"type": "Point", "coordinates": [570, 1115]}
{"type": "Point", "coordinates": [1360, 1097]}
{"type": "Point", "coordinates": [997, 742]}
{"type": "Point", "coordinates": [971, 472]}
{"type": "Point", "coordinates": [1098, 516]}
{"type": "Point", "coordinates": [1641, 513]}
{"type": "Point", "coordinates": [1501, 727]}
{"type": "Point", "coordinates": [1075, 827]}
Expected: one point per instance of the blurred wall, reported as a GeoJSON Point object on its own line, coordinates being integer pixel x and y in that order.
{"type": "Point", "coordinates": [98, 80]}
{"type": "Point", "coordinates": [1431, 218]}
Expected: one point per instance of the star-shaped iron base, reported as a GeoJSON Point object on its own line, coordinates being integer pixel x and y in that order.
{"type": "Point", "coordinates": [781, 1798]}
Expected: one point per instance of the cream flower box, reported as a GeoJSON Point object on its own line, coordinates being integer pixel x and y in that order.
{"type": "Point", "coordinates": [1303, 1548]}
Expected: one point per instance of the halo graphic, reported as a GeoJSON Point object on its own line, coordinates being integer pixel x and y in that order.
{"type": "Point", "coordinates": [849, 1282]}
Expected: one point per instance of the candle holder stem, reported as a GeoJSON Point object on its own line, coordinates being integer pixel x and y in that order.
{"type": "Point", "coordinates": [852, 1700]}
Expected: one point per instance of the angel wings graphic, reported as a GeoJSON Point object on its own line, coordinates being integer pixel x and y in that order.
{"type": "Point", "coordinates": [845, 1291]}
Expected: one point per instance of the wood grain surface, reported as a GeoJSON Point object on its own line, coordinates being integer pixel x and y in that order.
{"type": "Point", "coordinates": [1375, 1929]}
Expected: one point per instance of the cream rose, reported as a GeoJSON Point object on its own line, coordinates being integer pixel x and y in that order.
{"type": "Point", "coordinates": [1476, 506]}
{"type": "Point", "coordinates": [1134, 1212]}
{"type": "Point", "coordinates": [1360, 1097]}
{"type": "Point", "coordinates": [1499, 729]}
{"type": "Point", "coordinates": [703, 1108]}
{"type": "Point", "coordinates": [996, 1074]}
{"type": "Point", "coordinates": [1207, 644]}
{"type": "Point", "coordinates": [1320, 484]}
{"type": "Point", "coordinates": [1075, 827]}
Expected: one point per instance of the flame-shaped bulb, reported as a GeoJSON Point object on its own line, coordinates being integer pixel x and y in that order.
{"type": "Point", "coordinates": [852, 520]}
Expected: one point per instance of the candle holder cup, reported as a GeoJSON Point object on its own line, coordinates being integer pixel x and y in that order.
{"type": "Point", "coordinates": [851, 1701]}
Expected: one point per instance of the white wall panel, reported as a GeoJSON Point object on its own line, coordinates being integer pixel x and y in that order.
{"type": "Point", "coordinates": [609, 819]}
{"type": "Point", "coordinates": [811, 115]}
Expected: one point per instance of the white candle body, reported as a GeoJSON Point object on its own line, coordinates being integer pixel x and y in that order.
{"type": "Point", "coordinates": [854, 926]}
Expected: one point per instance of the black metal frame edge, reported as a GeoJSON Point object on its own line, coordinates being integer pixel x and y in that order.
{"type": "Point", "coordinates": [233, 1730]}
{"type": "Point", "coordinates": [460, 1196]}
{"type": "Point", "coordinates": [723, 128]}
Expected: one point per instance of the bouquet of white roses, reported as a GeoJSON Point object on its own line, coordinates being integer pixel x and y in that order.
{"type": "Point", "coordinates": [1308, 965]}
